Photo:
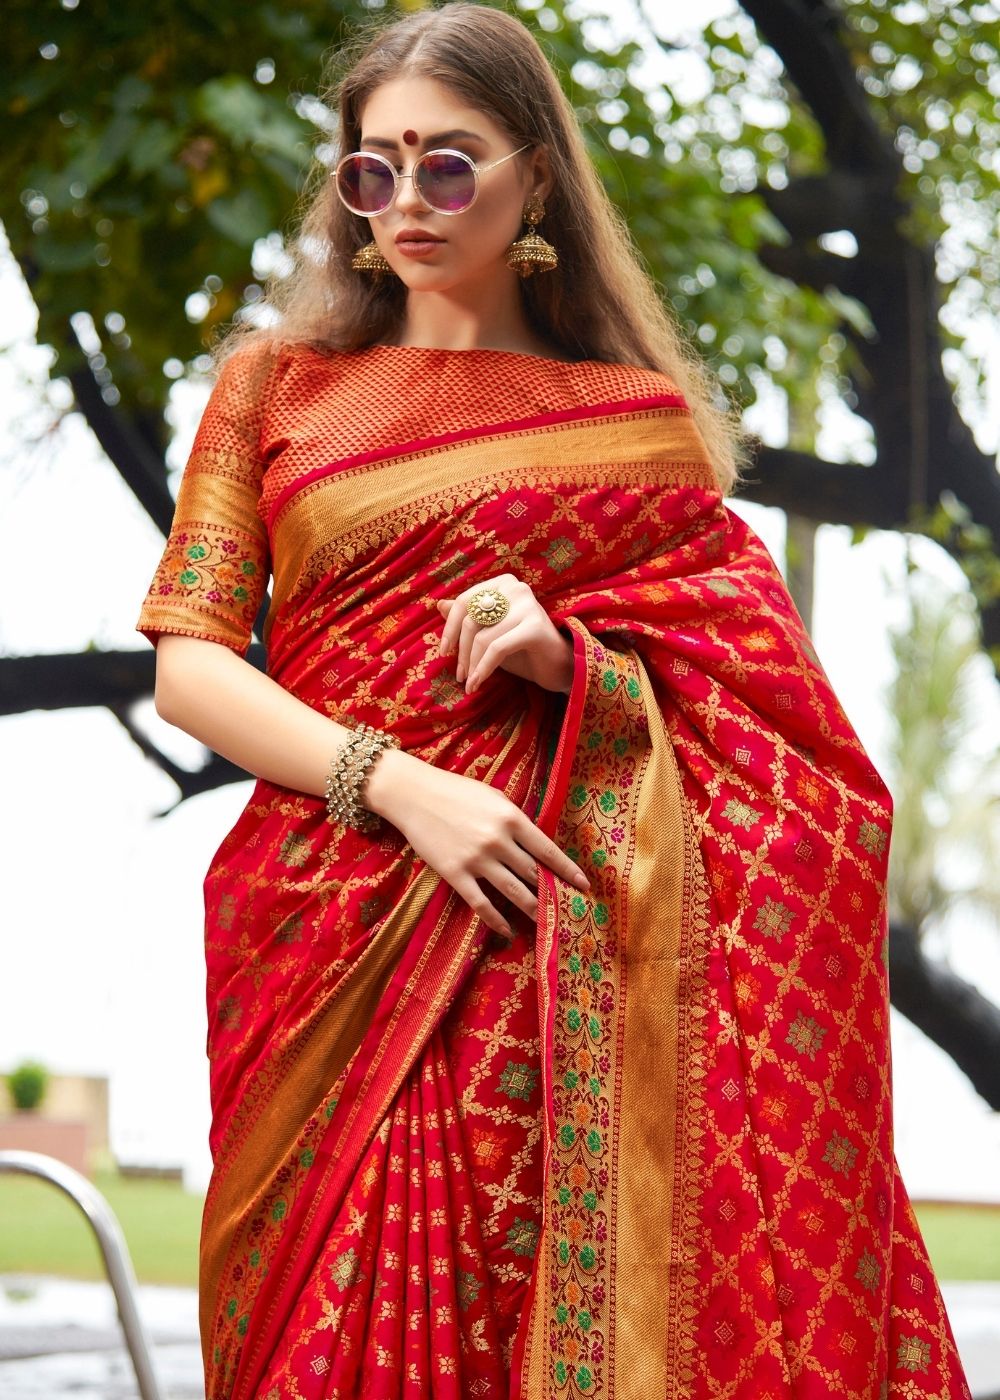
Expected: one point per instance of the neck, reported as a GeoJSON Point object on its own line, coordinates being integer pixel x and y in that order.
{"type": "Point", "coordinates": [485, 317]}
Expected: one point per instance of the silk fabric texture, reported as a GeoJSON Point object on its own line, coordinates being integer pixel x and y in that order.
{"type": "Point", "coordinates": [646, 1150]}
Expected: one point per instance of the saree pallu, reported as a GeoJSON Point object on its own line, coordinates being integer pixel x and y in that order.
{"type": "Point", "coordinates": [646, 1150]}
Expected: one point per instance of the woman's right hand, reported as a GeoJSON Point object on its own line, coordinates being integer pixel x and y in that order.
{"type": "Point", "coordinates": [466, 831]}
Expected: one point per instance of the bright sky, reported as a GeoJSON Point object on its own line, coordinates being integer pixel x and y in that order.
{"type": "Point", "coordinates": [101, 904]}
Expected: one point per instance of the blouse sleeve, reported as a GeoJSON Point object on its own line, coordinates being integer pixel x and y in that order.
{"type": "Point", "coordinates": [213, 572]}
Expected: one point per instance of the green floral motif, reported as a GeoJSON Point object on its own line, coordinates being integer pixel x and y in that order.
{"type": "Point", "coordinates": [243, 1324]}
{"type": "Point", "coordinates": [307, 1158]}
{"type": "Point", "coordinates": [599, 858]}
{"type": "Point", "coordinates": [594, 739]}
{"type": "Point", "coordinates": [577, 795]}
{"type": "Point", "coordinates": [565, 1195]}
{"type": "Point", "coordinates": [240, 594]}
{"type": "Point", "coordinates": [561, 1372]}
{"type": "Point", "coordinates": [564, 1251]}
{"type": "Point", "coordinates": [740, 814]}
{"type": "Point", "coordinates": [567, 1135]}
{"type": "Point", "coordinates": [578, 906]}
{"type": "Point", "coordinates": [196, 551]}
{"type": "Point", "coordinates": [574, 963]}
{"type": "Point", "coordinates": [254, 1258]}
{"type": "Point", "coordinates": [593, 1141]}
{"type": "Point", "coordinates": [583, 1378]}
{"type": "Point", "coordinates": [584, 1318]}
{"type": "Point", "coordinates": [840, 1153]}
{"type": "Point", "coordinates": [609, 680]}
{"type": "Point", "coordinates": [294, 850]}
{"type": "Point", "coordinates": [869, 1271]}
{"type": "Point", "coordinates": [805, 1035]}
{"type": "Point", "coordinates": [872, 838]}
{"type": "Point", "coordinates": [562, 1312]}
{"type": "Point", "coordinates": [571, 1079]}
{"type": "Point", "coordinates": [279, 1209]}
{"type": "Point", "coordinates": [522, 1237]}
{"type": "Point", "coordinates": [561, 553]}
{"type": "Point", "coordinates": [573, 1018]}
{"type": "Point", "coordinates": [594, 1027]}
{"type": "Point", "coordinates": [620, 747]}
{"type": "Point", "coordinates": [774, 918]}
{"type": "Point", "coordinates": [231, 1307]}
{"type": "Point", "coordinates": [518, 1081]}
{"type": "Point", "coordinates": [189, 577]}
{"type": "Point", "coordinates": [290, 931]}
{"type": "Point", "coordinates": [634, 691]}
{"type": "Point", "coordinates": [467, 1287]}
{"type": "Point", "coordinates": [587, 1256]}
{"type": "Point", "coordinates": [345, 1269]}
{"type": "Point", "coordinates": [590, 1200]}
{"type": "Point", "coordinates": [607, 802]}
{"type": "Point", "coordinates": [601, 914]}
{"type": "Point", "coordinates": [248, 567]}
{"type": "Point", "coordinates": [913, 1354]}
{"type": "Point", "coordinates": [595, 971]}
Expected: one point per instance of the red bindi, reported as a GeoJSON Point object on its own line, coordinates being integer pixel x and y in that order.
{"type": "Point", "coordinates": [410, 136]}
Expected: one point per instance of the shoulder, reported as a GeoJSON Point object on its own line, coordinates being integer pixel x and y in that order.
{"type": "Point", "coordinates": [630, 381]}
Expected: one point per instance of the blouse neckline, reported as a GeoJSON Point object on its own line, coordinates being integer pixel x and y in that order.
{"type": "Point", "coordinates": [475, 350]}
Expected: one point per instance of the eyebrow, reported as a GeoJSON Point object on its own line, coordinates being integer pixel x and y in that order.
{"type": "Point", "coordinates": [428, 141]}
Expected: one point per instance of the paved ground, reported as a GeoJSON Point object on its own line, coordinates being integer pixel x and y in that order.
{"type": "Point", "coordinates": [62, 1339]}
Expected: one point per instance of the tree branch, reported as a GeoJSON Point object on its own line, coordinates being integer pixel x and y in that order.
{"type": "Point", "coordinates": [953, 1013]}
{"type": "Point", "coordinates": [810, 40]}
{"type": "Point", "coordinates": [73, 680]}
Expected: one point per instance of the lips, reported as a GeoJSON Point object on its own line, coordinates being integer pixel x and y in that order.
{"type": "Point", "coordinates": [416, 235]}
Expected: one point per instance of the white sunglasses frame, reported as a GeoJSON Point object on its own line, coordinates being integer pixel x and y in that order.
{"type": "Point", "coordinates": [397, 175]}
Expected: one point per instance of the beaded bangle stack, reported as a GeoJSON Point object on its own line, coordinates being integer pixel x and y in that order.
{"type": "Point", "coordinates": [348, 770]}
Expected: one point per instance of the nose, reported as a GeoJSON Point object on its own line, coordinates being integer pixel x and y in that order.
{"type": "Point", "coordinates": [408, 195]}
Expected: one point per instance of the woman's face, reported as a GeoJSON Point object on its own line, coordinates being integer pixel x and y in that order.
{"type": "Point", "coordinates": [408, 116]}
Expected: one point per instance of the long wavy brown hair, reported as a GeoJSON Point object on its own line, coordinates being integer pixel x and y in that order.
{"type": "Point", "coordinates": [599, 303]}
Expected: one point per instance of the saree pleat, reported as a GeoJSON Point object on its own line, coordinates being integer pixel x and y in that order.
{"type": "Point", "coordinates": [644, 1151]}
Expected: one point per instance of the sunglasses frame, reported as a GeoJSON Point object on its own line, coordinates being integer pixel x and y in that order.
{"type": "Point", "coordinates": [397, 175]}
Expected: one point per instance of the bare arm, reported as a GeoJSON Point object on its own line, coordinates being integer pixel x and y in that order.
{"type": "Point", "coordinates": [464, 829]}
{"type": "Point", "coordinates": [211, 693]}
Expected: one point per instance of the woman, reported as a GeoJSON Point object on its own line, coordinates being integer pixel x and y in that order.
{"type": "Point", "coordinates": [571, 1077]}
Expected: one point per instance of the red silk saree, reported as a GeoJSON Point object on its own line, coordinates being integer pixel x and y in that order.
{"type": "Point", "coordinates": [646, 1150]}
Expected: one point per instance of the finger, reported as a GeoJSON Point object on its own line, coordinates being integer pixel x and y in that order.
{"type": "Point", "coordinates": [481, 906]}
{"type": "Point", "coordinates": [487, 655]}
{"type": "Point", "coordinates": [535, 840]}
{"type": "Point", "coordinates": [465, 639]}
{"type": "Point", "coordinates": [452, 622]}
{"type": "Point", "coordinates": [511, 886]}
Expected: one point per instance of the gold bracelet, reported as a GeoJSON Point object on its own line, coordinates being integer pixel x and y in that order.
{"type": "Point", "coordinates": [349, 769]}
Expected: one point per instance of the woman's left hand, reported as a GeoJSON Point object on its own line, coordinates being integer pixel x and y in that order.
{"type": "Point", "coordinates": [526, 642]}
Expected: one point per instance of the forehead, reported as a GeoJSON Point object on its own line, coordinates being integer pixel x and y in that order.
{"type": "Point", "coordinates": [424, 109]}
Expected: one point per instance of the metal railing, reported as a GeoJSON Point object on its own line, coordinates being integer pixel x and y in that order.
{"type": "Point", "coordinates": [110, 1238]}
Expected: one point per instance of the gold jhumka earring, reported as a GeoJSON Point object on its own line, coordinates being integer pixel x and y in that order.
{"type": "Point", "coordinates": [370, 259]}
{"type": "Point", "coordinates": [530, 252]}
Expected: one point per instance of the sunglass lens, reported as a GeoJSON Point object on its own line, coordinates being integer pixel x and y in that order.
{"type": "Point", "coordinates": [446, 182]}
{"type": "Point", "coordinates": [365, 185]}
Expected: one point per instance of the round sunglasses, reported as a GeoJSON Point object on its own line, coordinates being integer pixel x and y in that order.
{"type": "Point", "coordinates": [446, 180]}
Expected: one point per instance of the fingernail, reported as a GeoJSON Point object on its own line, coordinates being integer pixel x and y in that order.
{"type": "Point", "coordinates": [581, 882]}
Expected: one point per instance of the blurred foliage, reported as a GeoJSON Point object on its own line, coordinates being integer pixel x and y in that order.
{"type": "Point", "coordinates": [27, 1084]}
{"type": "Point", "coordinates": [946, 791]}
{"type": "Point", "coordinates": [154, 155]}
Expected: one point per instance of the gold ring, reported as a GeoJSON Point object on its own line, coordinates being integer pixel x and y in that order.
{"type": "Point", "coordinates": [488, 606]}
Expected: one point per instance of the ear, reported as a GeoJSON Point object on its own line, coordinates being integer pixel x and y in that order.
{"type": "Point", "coordinates": [542, 181]}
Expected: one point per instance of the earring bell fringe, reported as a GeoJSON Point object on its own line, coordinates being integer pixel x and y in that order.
{"type": "Point", "coordinates": [531, 253]}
